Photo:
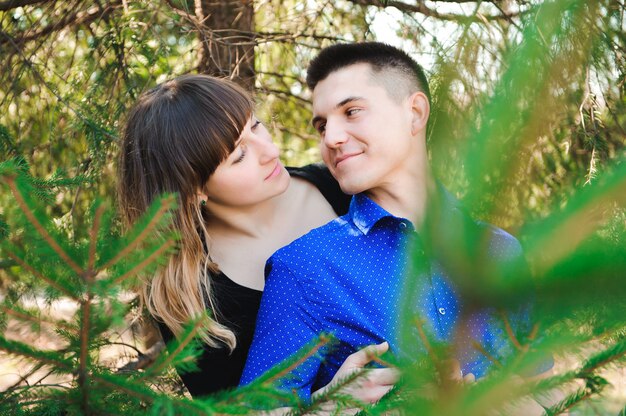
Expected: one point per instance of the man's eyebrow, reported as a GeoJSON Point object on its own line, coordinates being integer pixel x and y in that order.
{"type": "Point", "coordinates": [346, 101]}
{"type": "Point", "coordinates": [338, 105]}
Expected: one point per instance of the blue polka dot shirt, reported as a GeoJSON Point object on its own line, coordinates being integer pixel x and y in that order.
{"type": "Point", "coordinates": [347, 278]}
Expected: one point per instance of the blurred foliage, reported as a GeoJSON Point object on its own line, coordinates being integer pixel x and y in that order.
{"type": "Point", "coordinates": [528, 128]}
{"type": "Point", "coordinates": [72, 69]}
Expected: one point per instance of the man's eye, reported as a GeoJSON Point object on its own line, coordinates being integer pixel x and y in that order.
{"type": "Point", "coordinates": [352, 111]}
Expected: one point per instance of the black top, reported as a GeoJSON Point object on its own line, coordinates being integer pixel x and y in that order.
{"type": "Point", "coordinates": [238, 305]}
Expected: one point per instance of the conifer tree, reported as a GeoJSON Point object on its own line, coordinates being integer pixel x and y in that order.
{"type": "Point", "coordinates": [577, 254]}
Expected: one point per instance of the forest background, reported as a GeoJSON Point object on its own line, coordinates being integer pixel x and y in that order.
{"type": "Point", "coordinates": [528, 129]}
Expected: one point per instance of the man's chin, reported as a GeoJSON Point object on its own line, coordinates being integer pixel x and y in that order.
{"type": "Point", "coordinates": [350, 188]}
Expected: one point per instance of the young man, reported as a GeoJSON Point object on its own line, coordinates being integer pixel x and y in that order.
{"type": "Point", "coordinates": [371, 108]}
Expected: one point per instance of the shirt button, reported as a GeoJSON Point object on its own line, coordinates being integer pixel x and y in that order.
{"type": "Point", "coordinates": [442, 311]}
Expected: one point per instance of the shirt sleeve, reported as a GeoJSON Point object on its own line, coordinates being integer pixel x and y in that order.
{"type": "Point", "coordinates": [284, 327]}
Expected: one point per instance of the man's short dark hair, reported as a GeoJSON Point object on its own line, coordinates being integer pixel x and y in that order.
{"type": "Point", "coordinates": [384, 59]}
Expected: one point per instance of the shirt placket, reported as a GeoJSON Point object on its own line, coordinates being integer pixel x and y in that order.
{"type": "Point", "coordinates": [438, 311]}
{"type": "Point", "coordinates": [419, 269]}
{"type": "Point", "coordinates": [444, 304]}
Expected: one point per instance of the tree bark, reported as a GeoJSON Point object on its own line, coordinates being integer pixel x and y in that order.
{"type": "Point", "coordinates": [227, 39]}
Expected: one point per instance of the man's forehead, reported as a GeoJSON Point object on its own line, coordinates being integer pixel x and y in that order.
{"type": "Point", "coordinates": [355, 72]}
{"type": "Point", "coordinates": [346, 84]}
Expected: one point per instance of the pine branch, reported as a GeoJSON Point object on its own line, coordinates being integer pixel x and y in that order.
{"type": "Point", "coordinates": [421, 8]}
{"type": "Point", "coordinates": [577, 221]}
{"type": "Point", "coordinates": [38, 275]}
{"type": "Point", "coordinates": [14, 4]}
{"type": "Point", "coordinates": [33, 319]}
{"type": "Point", "coordinates": [93, 238]}
{"type": "Point", "coordinates": [510, 333]}
{"type": "Point", "coordinates": [549, 383]}
{"type": "Point", "coordinates": [127, 345]}
{"type": "Point", "coordinates": [77, 18]}
{"type": "Point", "coordinates": [439, 364]}
{"type": "Point", "coordinates": [188, 337]}
{"type": "Point", "coordinates": [380, 361]}
{"type": "Point", "coordinates": [533, 333]}
{"type": "Point", "coordinates": [332, 396]}
{"type": "Point", "coordinates": [144, 359]}
{"type": "Point", "coordinates": [594, 384]}
{"type": "Point", "coordinates": [41, 230]}
{"type": "Point", "coordinates": [605, 357]}
{"type": "Point", "coordinates": [38, 386]}
{"type": "Point", "coordinates": [85, 308]}
{"type": "Point", "coordinates": [569, 402]}
{"type": "Point", "coordinates": [484, 352]}
{"type": "Point", "coordinates": [264, 385]}
{"type": "Point", "coordinates": [83, 362]}
{"type": "Point", "coordinates": [140, 391]}
{"type": "Point", "coordinates": [135, 270]}
{"type": "Point", "coordinates": [31, 66]}
{"type": "Point", "coordinates": [48, 357]}
{"type": "Point", "coordinates": [324, 339]}
{"type": "Point", "coordinates": [419, 324]}
{"type": "Point", "coordinates": [167, 203]}
{"type": "Point", "coordinates": [24, 378]}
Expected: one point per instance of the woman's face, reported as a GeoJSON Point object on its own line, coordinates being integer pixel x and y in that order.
{"type": "Point", "coordinates": [252, 173]}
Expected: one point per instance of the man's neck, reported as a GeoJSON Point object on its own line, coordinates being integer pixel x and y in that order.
{"type": "Point", "coordinates": [405, 197]}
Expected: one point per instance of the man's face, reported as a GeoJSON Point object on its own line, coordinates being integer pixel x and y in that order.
{"type": "Point", "coordinates": [366, 136]}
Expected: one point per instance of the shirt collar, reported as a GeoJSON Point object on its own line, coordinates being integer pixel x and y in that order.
{"type": "Point", "coordinates": [365, 213]}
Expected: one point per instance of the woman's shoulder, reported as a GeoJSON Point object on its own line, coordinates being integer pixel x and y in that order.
{"type": "Point", "coordinates": [316, 173]}
{"type": "Point", "coordinates": [319, 175]}
{"type": "Point", "coordinates": [237, 304]}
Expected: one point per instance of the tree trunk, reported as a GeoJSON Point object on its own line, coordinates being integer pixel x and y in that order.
{"type": "Point", "coordinates": [227, 38]}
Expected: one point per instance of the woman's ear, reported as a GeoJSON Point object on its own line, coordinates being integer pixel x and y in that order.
{"type": "Point", "coordinates": [420, 110]}
{"type": "Point", "coordinates": [202, 198]}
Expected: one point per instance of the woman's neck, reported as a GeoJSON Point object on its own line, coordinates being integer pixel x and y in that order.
{"type": "Point", "coordinates": [254, 220]}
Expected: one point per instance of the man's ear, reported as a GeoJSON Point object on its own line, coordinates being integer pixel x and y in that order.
{"type": "Point", "coordinates": [420, 110]}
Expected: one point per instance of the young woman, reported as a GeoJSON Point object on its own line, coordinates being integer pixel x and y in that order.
{"type": "Point", "coordinates": [197, 136]}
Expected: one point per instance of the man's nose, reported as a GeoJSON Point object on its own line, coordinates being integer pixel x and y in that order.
{"type": "Point", "coordinates": [334, 135]}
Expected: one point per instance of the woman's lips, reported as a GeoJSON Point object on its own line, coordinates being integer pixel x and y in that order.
{"type": "Point", "coordinates": [275, 172]}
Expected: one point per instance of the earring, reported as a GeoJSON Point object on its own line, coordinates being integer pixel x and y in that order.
{"type": "Point", "coordinates": [203, 202]}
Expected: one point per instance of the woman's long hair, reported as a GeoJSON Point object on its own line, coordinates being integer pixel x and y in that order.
{"type": "Point", "coordinates": [176, 135]}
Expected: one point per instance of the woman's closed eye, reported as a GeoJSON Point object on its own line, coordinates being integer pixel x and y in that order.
{"type": "Point", "coordinates": [242, 149]}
